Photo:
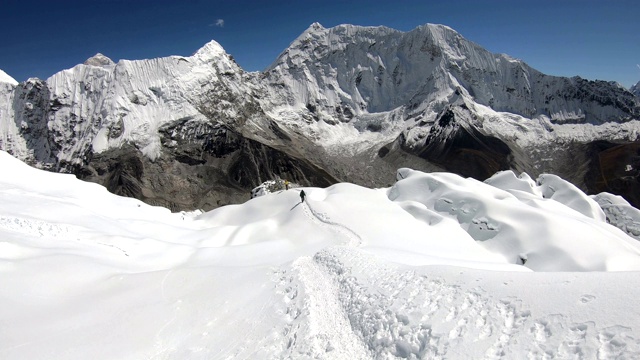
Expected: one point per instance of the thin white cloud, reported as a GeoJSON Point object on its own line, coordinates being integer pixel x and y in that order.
{"type": "Point", "coordinates": [217, 23]}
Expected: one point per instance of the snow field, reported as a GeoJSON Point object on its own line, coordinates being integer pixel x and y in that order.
{"type": "Point", "coordinates": [429, 268]}
{"type": "Point", "coordinates": [411, 313]}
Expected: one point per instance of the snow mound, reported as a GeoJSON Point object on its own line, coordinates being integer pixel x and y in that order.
{"type": "Point", "coordinates": [620, 213]}
{"type": "Point", "coordinates": [429, 268]}
{"type": "Point", "coordinates": [548, 186]}
{"type": "Point", "coordinates": [549, 227]}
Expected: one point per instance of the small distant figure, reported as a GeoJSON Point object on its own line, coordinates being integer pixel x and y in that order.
{"type": "Point", "coordinates": [302, 195]}
{"type": "Point", "coordinates": [522, 259]}
{"type": "Point", "coordinates": [286, 184]}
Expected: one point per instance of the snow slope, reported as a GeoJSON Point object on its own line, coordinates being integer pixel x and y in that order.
{"type": "Point", "coordinates": [5, 78]}
{"type": "Point", "coordinates": [423, 269]}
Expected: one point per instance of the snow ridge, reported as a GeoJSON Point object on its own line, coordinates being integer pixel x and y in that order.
{"type": "Point", "coordinates": [5, 78]}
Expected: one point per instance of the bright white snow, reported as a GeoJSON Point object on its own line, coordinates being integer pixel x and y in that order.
{"type": "Point", "coordinates": [5, 78]}
{"type": "Point", "coordinates": [429, 268]}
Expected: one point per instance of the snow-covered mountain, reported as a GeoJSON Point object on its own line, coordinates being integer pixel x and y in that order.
{"type": "Point", "coordinates": [354, 70]}
{"type": "Point", "coordinates": [431, 93]}
{"type": "Point", "coordinates": [434, 266]}
{"type": "Point", "coordinates": [346, 103]}
{"type": "Point", "coordinates": [143, 127]}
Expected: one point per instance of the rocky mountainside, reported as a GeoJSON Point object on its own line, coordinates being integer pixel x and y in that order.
{"type": "Point", "coordinates": [170, 131]}
{"type": "Point", "coordinates": [635, 89]}
{"type": "Point", "coordinates": [347, 103]}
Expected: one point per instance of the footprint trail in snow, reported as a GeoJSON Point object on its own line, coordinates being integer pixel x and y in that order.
{"type": "Point", "coordinates": [346, 303]}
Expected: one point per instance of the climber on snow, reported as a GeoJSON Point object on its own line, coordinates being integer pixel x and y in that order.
{"type": "Point", "coordinates": [302, 195]}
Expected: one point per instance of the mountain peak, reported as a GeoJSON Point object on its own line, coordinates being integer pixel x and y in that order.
{"type": "Point", "coordinates": [313, 31]}
{"type": "Point", "coordinates": [210, 50]}
{"type": "Point", "coordinates": [316, 26]}
{"type": "Point", "coordinates": [5, 78]}
{"type": "Point", "coordinates": [99, 60]}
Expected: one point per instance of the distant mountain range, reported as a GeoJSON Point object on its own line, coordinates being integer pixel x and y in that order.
{"type": "Point", "coordinates": [348, 103]}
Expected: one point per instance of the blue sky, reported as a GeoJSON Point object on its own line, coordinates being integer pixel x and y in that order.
{"type": "Point", "coordinates": [595, 39]}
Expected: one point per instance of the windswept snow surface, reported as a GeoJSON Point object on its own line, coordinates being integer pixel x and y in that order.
{"type": "Point", "coordinates": [429, 268]}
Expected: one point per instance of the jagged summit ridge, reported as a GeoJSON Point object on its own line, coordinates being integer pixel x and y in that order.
{"type": "Point", "coordinates": [99, 105]}
{"type": "Point", "coordinates": [374, 69]}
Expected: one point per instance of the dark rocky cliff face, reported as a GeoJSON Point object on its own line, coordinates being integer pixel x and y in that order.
{"type": "Point", "coordinates": [615, 168]}
{"type": "Point", "coordinates": [456, 144]}
{"type": "Point", "coordinates": [458, 147]}
{"type": "Point", "coordinates": [202, 166]}
{"type": "Point", "coordinates": [31, 104]}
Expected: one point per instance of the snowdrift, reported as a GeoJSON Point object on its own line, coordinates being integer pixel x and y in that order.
{"type": "Point", "coordinates": [548, 225]}
{"type": "Point", "coordinates": [434, 266]}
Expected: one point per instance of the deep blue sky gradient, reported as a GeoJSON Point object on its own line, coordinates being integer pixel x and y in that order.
{"type": "Point", "coordinates": [595, 39]}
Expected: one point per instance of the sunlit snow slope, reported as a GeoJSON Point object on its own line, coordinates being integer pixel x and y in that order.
{"type": "Point", "coordinates": [5, 78]}
{"type": "Point", "coordinates": [436, 266]}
